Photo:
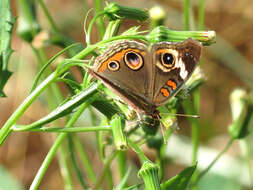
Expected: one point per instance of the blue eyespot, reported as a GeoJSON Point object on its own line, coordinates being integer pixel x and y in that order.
{"type": "Point", "coordinates": [133, 60]}
{"type": "Point", "coordinates": [113, 65]}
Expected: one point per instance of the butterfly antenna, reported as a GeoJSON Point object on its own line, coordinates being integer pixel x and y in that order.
{"type": "Point", "coordinates": [181, 115]}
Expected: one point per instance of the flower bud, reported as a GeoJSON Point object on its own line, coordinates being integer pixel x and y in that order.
{"type": "Point", "coordinates": [117, 124]}
{"type": "Point", "coordinates": [157, 16]}
{"type": "Point", "coordinates": [114, 11]}
{"type": "Point", "coordinates": [241, 114]}
{"type": "Point", "coordinates": [28, 25]}
{"type": "Point", "coordinates": [162, 33]}
{"type": "Point", "coordinates": [149, 174]}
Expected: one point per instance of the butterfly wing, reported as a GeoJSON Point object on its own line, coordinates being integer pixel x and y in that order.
{"type": "Point", "coordinates": [125, 68]}
{"type": "Point", "coordinates": [174, 64]}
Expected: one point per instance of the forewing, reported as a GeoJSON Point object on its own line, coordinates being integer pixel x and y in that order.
{"type": "Point", "coordinates": [174, 64]}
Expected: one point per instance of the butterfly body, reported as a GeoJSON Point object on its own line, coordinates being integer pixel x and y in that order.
{"type": "Point", "coordinates": [147, 78]}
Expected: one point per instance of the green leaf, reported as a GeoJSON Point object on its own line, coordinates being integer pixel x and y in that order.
{"type": "Point", "coordinates": [88, 95]}
{"type": "Point", "coordinates": [180, 181]}
{"type": "Point", "coordinates": [6, 25]}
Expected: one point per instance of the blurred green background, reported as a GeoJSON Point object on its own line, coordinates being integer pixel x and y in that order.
{"type": "Point", "coordinates": [226, 64]}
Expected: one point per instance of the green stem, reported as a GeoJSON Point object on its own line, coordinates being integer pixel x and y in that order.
{"type": "Point", "coordinates": [20, 128]}
{"type": "Point", "coordinates": [105, 170]}
{"type": "Point", "coordinates": [136, 148]}
{"type": "Point", "coordinates": [196, 94]}
{"type": "Point", "coordinates": [53, 88]}
{"type": "Point", "coordinates": [74, 162]}
{"type": "Point", "coordinates": [216, 159]}
{"type": "Point", "coordinates": [92, 22]}
{"type": "Point", "coordinates": [121, 158]}
{"type": "Point", "coordinates": [6, 129]}
{"type": "Point", "coordinates": [84, 159]}
{"type": "Point", "coordinates": [48, 16]}
{"type": "Point", "coordinates": [65, 168]}
{"type": "Point", "coordinates": [45, 65]}
{"type": "Point", "coordinates": [187, 8]}
{"type": "Point", "coordinates": [43, 168]}
{"type": "Point", "coordinates": [133, 37]}
{"type": "Point", "coordinates": [54, 92]}
{"type": "Point", "coordinates": [109, 179]}
{"type": "Point", "coordinates": [195, 127]}
{"type": "Point", "coordinates": [100, 22]}
{"type": "Point", "coordinates": [161, 160]}
{"type": "Point", "coordinates": [201, 14]}
{"type": "Point", "coordinates": [112, 29]}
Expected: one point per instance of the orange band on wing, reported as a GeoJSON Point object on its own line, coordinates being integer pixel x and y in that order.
{"type": "Point", "coordinates": [172, 84]}
{"type": "Point", "coordinates": [117, 56]}
{"type": "Point", "coordinates": [162, 51]}
{"type": "Point", "coordinates": [165, 92]}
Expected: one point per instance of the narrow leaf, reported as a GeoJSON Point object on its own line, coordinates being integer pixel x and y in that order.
{"type": "Point", "coordinates": [180, 181]}
{"type": "Point", "coordinates": [87, 95]}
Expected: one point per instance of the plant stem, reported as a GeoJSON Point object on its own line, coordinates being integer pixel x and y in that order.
{"type": "Point", "coordinates": [88, 40]}
{"type": "Point", "coordinates": [137, 149]}
{"type": "Point", "coordinates": [65, 168]}
{"type": "Point", "coordinates": [48, 16]}
{"type": "Point", "coordinates": [100, 22]}
{"type": "Point", "coordinates": [196, 94]}
{"type": "Point", "coordinates": [6, 129]}
{"type": "Point", "coordinates": [216, 159]}
{"type": "Point", "coordinates": [54, 92]}
{"type": "Point", "coordinates": [187, 8]}
{"type": "Point", "coordinates": [43, 168]}
{"type": "Point", "coordinates": [84, 159]}
{"type": "Point", "coordinates": [121, 158]}
{"type": "Point", "coordinates": [109, 179]}
{"type": "Point", "coordinates": [195, 126]}
{"type": "Point", "coordinates": [19, 128]}
{"type": "Point", "coordinates": [74, 162]}
{"type": "Point", "coordinates": [201, 15]}
{"type": "Point", "coordinates": [106, 167]}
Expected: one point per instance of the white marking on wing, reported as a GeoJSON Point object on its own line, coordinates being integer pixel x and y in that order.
{"type": "Point", "coordinates": [180, 64]}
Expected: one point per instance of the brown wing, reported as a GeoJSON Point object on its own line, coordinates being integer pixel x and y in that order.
{"type": "Point", "coordinates": [175, 62]}
{"type": "Point", "coordinates": [126, 69]}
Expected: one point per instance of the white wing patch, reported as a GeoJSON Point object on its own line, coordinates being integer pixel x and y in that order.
{"type": "Point", "coordinates": [180, 64]}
